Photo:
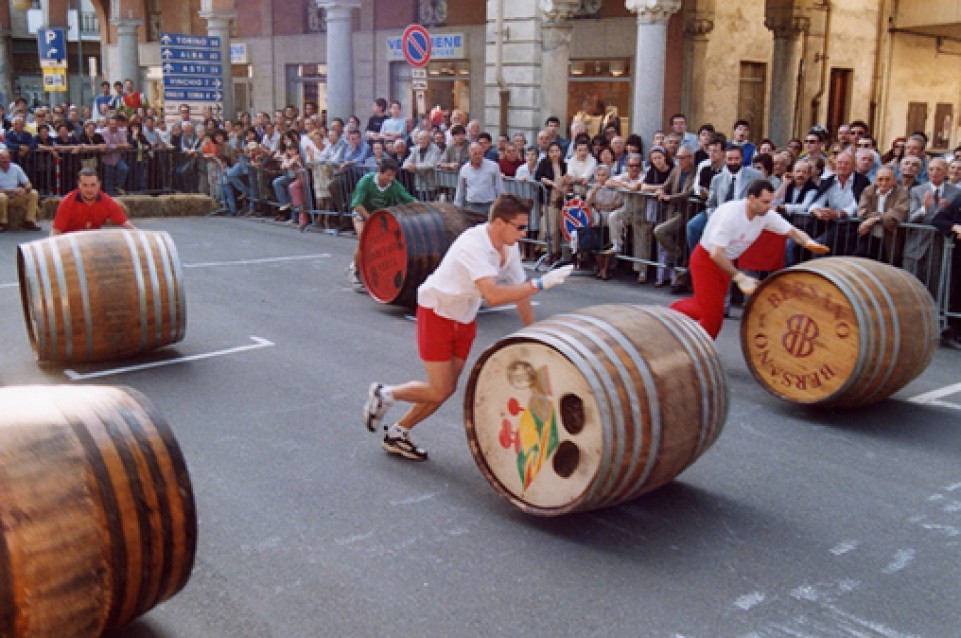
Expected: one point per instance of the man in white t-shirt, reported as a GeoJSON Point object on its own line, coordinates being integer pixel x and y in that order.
{"type": "Point", "coordinates": [730, 231]}
{"type": "Point", "coordinates": [483, 264]}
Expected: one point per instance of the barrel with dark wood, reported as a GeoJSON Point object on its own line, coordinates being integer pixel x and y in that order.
{"type": "Point", "coordinates": [592, 408]}
{"type": "Point", "coordinates": [402, 245]}
{"type": "Point", "coordinates": [838, 332]}
{"type": "Point", "coordinates": [101, 295]}
{"type": "Point", "coordinates": [97, 516]}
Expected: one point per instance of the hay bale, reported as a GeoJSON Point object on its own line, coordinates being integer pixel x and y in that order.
{"type": "Point", "coordinates": [48, 207]}
{"type": "Point", "coordinates": [135, 206]}
{"type": "Point", "coordinates": [139, 205]}
{"type": "Point", "coordinates": [186, 205]}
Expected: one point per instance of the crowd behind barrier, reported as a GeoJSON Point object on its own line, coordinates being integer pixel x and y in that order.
{"type": "Point", "coordinates": [54, 172]}
{"type": "Point", "coordinates": [324, 190]}
{"type": "Point", "coordinates": [328, 187]}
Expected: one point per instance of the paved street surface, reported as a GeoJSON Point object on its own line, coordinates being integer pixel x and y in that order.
{"type": "Point", "coordinates": [798, 522]}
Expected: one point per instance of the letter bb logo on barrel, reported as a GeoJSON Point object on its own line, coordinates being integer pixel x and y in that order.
{"type": "Point", "coordinates": [800, 336]}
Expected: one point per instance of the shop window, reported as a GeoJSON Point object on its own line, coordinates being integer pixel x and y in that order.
{"type": "Point", "coordinates": [448, 85]}
{"type": "Point", "coordinates": [599, 92]}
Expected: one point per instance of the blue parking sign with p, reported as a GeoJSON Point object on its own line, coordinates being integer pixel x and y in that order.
{"type": "Point", "coordinates": [53, 44]}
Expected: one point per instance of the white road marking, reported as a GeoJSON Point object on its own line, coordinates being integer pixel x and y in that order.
{"type": "Point", "coordinates": [258, 343]}
{"type": "Point", "coordinates": [844, 547]}
{"type": "Point", "coordinates": [13, 285]}
{"type": "Point", "coordinates": [414, 499]}
{"type": "Point", "coordinates": [747, 601]}
{"type": "Point", "coordinates": [264, 260]}
{"type": "Point", "coordinates": [350, 540]}
{"type": "Point", "coordinates": [934, 397]}
{"type": "Point", "coordinates": [902, 558]}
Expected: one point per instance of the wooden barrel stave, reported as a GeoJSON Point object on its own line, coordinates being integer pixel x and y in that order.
{"type": "Point", "coordinates": [99, 295]}
{"type": "Point", "coordinates": [101, 522]}
{"type": "Point", "coordinates": [642, 392]}
{"type": "Point", "coordinates": [893, 330]}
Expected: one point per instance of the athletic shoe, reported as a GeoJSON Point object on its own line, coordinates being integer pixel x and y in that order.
{"type": "Point", "coordinates": [375, 408]}
{"type": "Point", "coordinates": [353, 279]}
{"type": "Point", "coordinates": [403, 446]}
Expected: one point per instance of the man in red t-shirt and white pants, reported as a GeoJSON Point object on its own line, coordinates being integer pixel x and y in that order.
{"type": "Point", "coordinates": [730, 231]}
{"type": "Point", "coordinates": [87, 207]}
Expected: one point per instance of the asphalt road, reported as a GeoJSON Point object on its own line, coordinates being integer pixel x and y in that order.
{"type": "Point", "coordinates": [798, 522]}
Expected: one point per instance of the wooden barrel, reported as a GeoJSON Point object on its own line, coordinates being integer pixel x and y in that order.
{"type": "Point", "coordinates": [101, 295]}
{"type": "Point", "coordinates": [402, 245]}
{"type": "Point", "coordinates": [838, 332]}
{"type": "Point", "coordinates": [589, 409]}
{"type": "Point", "coordinates": [97, 518]}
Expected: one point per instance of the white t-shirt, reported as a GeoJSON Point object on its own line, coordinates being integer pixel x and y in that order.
{"type": "Point", "coordinates": [729, 227]}
{"type": "Point", "coordinates": [451, 290]}
{"type": "Point", "coordinates": [582, 170]}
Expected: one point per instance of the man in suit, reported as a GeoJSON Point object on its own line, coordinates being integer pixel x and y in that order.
{"type": "Point", "coordinates": [797, 191]}
{"type": "Point", "coordinates": [831, 216]}
{"type": "Point", "coordinates": [730, 184]}
{"type": "Point", "coordinates": [923, 248]}
{"type": "Point", "coordinates": [948, 221]}
{"type": "Point", "coordinates": [882, 208]}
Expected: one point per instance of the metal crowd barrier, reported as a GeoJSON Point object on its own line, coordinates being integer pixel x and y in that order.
{"type": "Point", "coordinates": [216, 180]}
{"type": "Point", "coordinates": [643, 212]}
{"type": "Point", "coordinates": [54, 172]}
{"type": "Point", "coordinates": [949, 288]}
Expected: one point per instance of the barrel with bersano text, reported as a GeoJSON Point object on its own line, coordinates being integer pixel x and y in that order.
{"type": "Point", "coordinates": [100, 295]}
{"type": "Point", "coordinates": [402, 245]}
{"type": "Point", "coordinates": [591, 408]}
{"type": "Point", "coordinates": [98, 517]}
{"type": "Point", "coordinates": [838, 332]}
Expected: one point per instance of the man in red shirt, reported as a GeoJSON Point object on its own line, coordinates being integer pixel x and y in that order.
{"type": "Point", "coordinates": [87, 207]}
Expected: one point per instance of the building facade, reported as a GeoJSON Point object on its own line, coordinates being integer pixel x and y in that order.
{"type": "Point", "coordinates": [783, 65]}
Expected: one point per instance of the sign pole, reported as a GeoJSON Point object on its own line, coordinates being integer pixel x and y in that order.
{"type": "Point", "coordinates": [416, 45]}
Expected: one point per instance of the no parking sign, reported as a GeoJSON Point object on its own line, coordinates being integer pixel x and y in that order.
{"type": "Point", "coordinates": [415, 42]}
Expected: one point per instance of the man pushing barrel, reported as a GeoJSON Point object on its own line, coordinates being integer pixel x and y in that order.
{"type": "Point", "coordinates": [87, 207]}
{"type": "Point", "coordinates": [447, 306]}
{"type": "Point", "coordinates": [730, 231]}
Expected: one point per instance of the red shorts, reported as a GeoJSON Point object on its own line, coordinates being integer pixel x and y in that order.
{"type": "Point", "coordinates": [441, 339]}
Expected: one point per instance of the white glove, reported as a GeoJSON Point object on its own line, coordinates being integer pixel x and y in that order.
{"type": "Point", "coordinates": [554, 277]}
{"type": "Point", "coordinates": [746, 283]}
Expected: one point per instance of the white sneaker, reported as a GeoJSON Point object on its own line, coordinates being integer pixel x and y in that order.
{"type": "Point", "coordinates": [354, 280]}
{"type": "Point", "coordinates": [375, 408]}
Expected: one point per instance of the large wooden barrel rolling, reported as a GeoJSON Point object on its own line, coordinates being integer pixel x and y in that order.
{"type": "Point", "coordinates": [838, 332]}
{"type": "Point", "coordinates": [97, 516]}
{"type": "Point", "coordinates": [592, 408]}
{"type": "Point", "coordinates": [101, 295]}
{"type": "Point", "coordinates": [402, 245]}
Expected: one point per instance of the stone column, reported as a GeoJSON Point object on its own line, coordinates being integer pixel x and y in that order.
{"type": "Point", "coordinates": [6, 79]}
{"type": "Point", "coordinates": [128, 49]}
{"type": "Point", "coordinates": [648, 106]}
{"type": "Point", "coordinates": [556, 31]}
{"type": "Point", "coordinates": [788, 22]}
{"type": "Point", "coordinates": [218, 25]}
{"type": "Point", "coordinates": [698, 25]}
{"type": "Point", "coordinates": [340, 53]}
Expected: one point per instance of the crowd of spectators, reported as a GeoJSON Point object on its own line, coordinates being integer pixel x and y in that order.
{"type": "Point", "coordinates": [840, 188]}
